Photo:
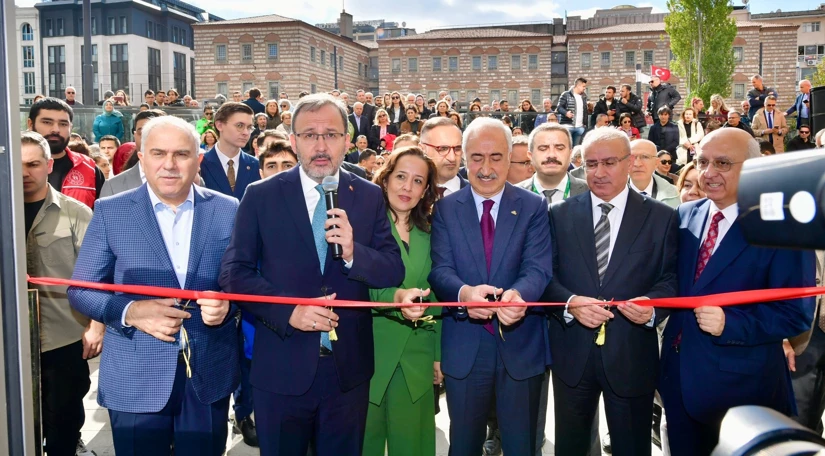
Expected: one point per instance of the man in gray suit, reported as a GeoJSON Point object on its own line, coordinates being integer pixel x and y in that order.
{"type": "Point", "coordinates": [133, 177]}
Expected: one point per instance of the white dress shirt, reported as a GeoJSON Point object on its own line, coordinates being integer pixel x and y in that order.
{"type": "Point", "coordinates": [451, 186]}
{"type": "Point", "coordinates": [730, 213]}
{"type": "Point", "coordinates": [648, 190]}
{"type": "Point", "coordinates": [313, 198]}
{"type": "Point", "coordinates": [142, 174]}
{"type": "Point", "coordinates": [559, 195]}
{"type": "Point", "coordinates": [225, 161]}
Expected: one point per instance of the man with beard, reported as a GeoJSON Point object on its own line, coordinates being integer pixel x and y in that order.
{"type": "Point", "coordinates": [72, 174]}
{"type": "Point", "coordinates": [606, 105]}
{"type": "Point", "coordinates": [441, 141]}
{"type": "Point", "coordinates": [311, 384]}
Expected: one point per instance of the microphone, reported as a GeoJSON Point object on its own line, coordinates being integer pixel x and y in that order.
{"type": "Point", "coordinates": [330, 186]}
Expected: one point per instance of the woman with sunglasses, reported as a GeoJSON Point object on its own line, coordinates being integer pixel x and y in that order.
{"type": "Point", "coordinates": [401, 410]}
{"type": "Point", "coordinates": [396, 109]}
{"type": "Point", "coordinates": [664, 166]}
{"type": "Point", "coordinates": [285, 105]}
{"type": "Point", "coordinates": [626, 125]}
{"type": "Point", "coordinates": [273, 115]}
{"type": "Point", "coordinates": [690, 133]}
{"type": "Point", "coordinates": [380, 128]}
{"type": "Point", "coordinates": [688, 184]}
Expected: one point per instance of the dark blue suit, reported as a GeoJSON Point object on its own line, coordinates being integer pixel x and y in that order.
{"type": "Point", "coordinates": [480, 365]}
{"type": "Point", "coordinates": [288, 375]}
{"type": "Point", "coordinates": [139, 374]}
{"type": "Point", "coordinates": [214, 177]}
{"type": "Point", "coordinates": [797, 106]}
{"type": "Point", "coordinates": [257, 106]}
{"type": "Point", "coordinates": [745, 365]}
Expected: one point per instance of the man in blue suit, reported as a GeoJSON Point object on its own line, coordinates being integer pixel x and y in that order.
{"type": "Point", "coordinates": [802, 105]}
{"type": "Point", "coordinates": [312, 385]}
{"type": "Point", "coordinates": [716, 358]}
{"type": "Point", "coordinates": [254, 101]}
{"type": "Point", "coordinates": [169, 367]}
{"type": "Point", "coordinates": [226, 168]}
{"type": "Point", "coordinates": [492, 239]}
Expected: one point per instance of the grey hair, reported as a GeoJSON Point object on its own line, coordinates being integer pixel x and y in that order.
{"type": "Point", "coordinates": [818, 137]}
{"type": "Point", "coordinates": [361, 136]}
{"type": "Point", "coordinates": [753, 149]}
{"type": "Point", "coordinates": [357, 104]}
{"type": "Point", "coordinates": [487, 123]}
{"type": "Point", "coordinates": [520, 140]}
{"type": "Point", "coordinates": [599, 135]}
{"type": "Point", "coordinates": [315, 102]}
{"type": "Point", "coordinates": [36, 139]}
{"type": "Point", "coordinates": [577, 152]}
{"type": "Point", "coordinates": [174, 122]}
{"type": "Point", "coordinates": [545, 127]}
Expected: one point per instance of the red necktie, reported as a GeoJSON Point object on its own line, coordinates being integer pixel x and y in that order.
{"type": "Point", "coordinates": [707, 247]}
{"type": "Point", "coordinates": [488, 233]}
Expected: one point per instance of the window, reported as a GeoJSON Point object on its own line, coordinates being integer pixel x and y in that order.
{"type": "Point", "coordinates": [180, 73]}
{"type": "Point", "coordinates": [154, 69]}
{"type": "Point", "coordinates": [630, 59]}
{"type": "Point", "coordinates": [585, 58]}
{"type": "Point", "coordinates": [159, 35]}
{"type": "Point", "coordinates": [192, 77]}
{"type": "Point", "coordinates": [28, 83]}
{"type": "Point", "coordinates": [274, 90]}
{"type": "Point", "coordinates": [28, 56]}
{"type": "Point", "coordinates": [396, 65]}
{"type": "Point", "coordinates": [119, 57]}
{"type": "Point", "coordinates": [220, 53]}
{"type": "Point", "coordinates": [454, 94]}
{"type": "Point", "coordinates": [28, 33]}
{"type": "Point", "coordinates": [739, 91]}
{"type": "Point", "coordinates": [471, 95]}
{"type": "Point", "coordinates": [412, 64]}
{"type": "Point", "coordinates": [738, 54]}
{"type": "Point", "coordinates": [313, 88]}
{"type": "Point", "coordinates": [246, 52]}
{"type": "Point", "coordinates": [605, 59]}
{"type": "Point", "coordinates": [453, 62]}
{"type": "Point", "coordinates": [323, 57]}
{"type": "Point", "coordinates": [360, 69]}
{"type": "Point", "coordinates": [512, 97]}
{"type": "Point", "coordinates": [123, 28]}
{"type": "Point", "coordinates": [175, 34]}
{"type": "Point", "coordinates": [495, 95]}
{"type": "Point", "coordinates": [492, 62]}
{"type": "Point", "coordinates": [533, 62]}
{"type": "Point", "coordinates": [559, 64]}
{"type": "Point", "coordinates": [272, 51]}
{"type": "Point", "coordinates": [57, 71]}
{"type": "Point", "coordinates": [647, 59]}
{"type": "Point", "coordinates": [182, 35]}
{"type": "Point", "coordinates": [515, 62]}
{"type": "Point", "coordinates": [111, 25]}
{"type": "Point", "coordinates": [331, 60]}
{"type": "Point", "coordinates": [222, 89]}
{"type": "Point", "coordinates": [94, 26]}
{"type": "Point", "coordinates": [49, 28]}
{"type": "Point", "coordinates": [246, 86]}
{"type": "Point", "coordinates": [476, 63]}
{"type": "Point", "coordinates": [808, 27]}
{"type": "Point", "coordinates": [340, 63]}
{"type": "Point", "coordinates": [150, 29]}
{"type": "Point", "coordinates": [312, 54]}
{"type": "Point", "coordinates": [60, 31]}
{"type": "Point", "coordinates": [436, 64]}
{"type": "Point", "coordinates": [96, 92]}
{"type": "Point", "coordinates": [432, 94]}
{"type": "Point", "coordinates": [556, 90]}
{"type": "Point", "coordinates": [535, 98]}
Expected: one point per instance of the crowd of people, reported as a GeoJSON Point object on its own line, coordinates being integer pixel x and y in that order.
{"type": "Point", "coordinates": [587, 203]}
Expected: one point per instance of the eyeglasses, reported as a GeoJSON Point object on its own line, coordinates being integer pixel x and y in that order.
{"type": "Point", "coordinates": [625, 121]}
{"type": "Point", "coordinates": [609, 163]}
{"type": "Point", "coordinates": [802, 132]}
{"type": "Point", "coordinates": [643, 157]}
{"type": "Point", "coordinates": [207, 113]}
{"type": "Point", "coordinates": [242, 127]}
{"type": "Point", "coordinates": [314, 137]}
{"type": "Point", "coordinates": [719, 165]}
{"type": "Point", "coordinates": [667, 162]}
{"type": "Point", "coordinates": [444, 150]}
{"type": "Point", "coordinates": [522, 163]}
{"type": "Point", "coordinates": [770, 105]}
{"type": "Point", "coordinates": [396, 98]}
{"type": "Point", "coordinates": [70, 93]}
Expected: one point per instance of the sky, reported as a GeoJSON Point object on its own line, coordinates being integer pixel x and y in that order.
{"type": "Point", "coordinates": [424, 15]}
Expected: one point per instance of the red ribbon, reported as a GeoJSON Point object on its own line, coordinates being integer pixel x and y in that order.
{"type": "Point", "coordinates": [716, 300]}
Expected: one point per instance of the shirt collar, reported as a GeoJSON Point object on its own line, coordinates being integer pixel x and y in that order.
{"type": "Point", "coordinates": [480, 199]}
{"type": "Point", "coordinates": [308, 185]}
{"type": "Point", "coordinates": [224, 158]}
{"type": "Point", "coordinates": [52, 197]}
{"type": "Point", "coordinates": [142, 173]}
{"type": "Point", "coordinates": [190, 198]}
{"type": "Point", "coordinates": [561, 187]}
{"type": "Point", "coordinates": [648, 190]}
{"type": "Point", "coordinates": [453, 184]}
{"type": "Point", "coordinates": [731, 213]}
{"type": "Point", "coordinates": [619, 201]}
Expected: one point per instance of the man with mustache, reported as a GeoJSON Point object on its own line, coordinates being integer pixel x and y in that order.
{"type": "Point", "coordinates": [491, 241]}
{"type": "Point", "coordinates": [72, 174]}
{"type": "Point", "coordinates": [310, 383]}
{"type": "Point", "coordinates": [441, 141]}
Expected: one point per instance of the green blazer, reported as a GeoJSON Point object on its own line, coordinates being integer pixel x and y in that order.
{"type": "Point", "coordinates": [397, 340]}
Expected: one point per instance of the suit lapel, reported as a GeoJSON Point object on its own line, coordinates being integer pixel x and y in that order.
{"type": "Point", "coordinates": [297, 206]}
{"type": "Point", "coordinates": [419, 253]}
{"type": "Point", "coordinates": [635, 214]}
{"type": "Point", "coordinates": [148, 223]}
{"type": "Point", "coordinates": [505, 223]}
{"type": "Point", "coordinates": [213, 166]}
{"type": "Point", "coordinates": [466, 211]}
{"type": "Point", "coordinates": [200, 230]}
{"type": "Point", "coordinates": [582, 213]}
{"type": "Point", "coordinates": [696, 226]}
{"type": "Point", "coordinates": [731, 247]}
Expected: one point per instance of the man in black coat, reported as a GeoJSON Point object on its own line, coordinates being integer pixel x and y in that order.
{"type": "Point", "coordinates": [606, 105]}
{"type": "Point", "coordinates": [661, 94]}
{"type": "Point", "coordinates": [252, 101]}
{"type": "Point", "coordinates": [664, 133]}
{"type": "Point", "coordinates": [630, 103]}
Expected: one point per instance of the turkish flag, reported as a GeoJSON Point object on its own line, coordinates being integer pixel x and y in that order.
{"type": "Point", "coordinates": [662, 73]}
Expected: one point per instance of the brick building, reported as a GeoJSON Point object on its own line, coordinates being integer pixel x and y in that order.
{"type": "Point", "coordinates": [488, 63]}
{"type": "Point", "coordinates": [810, 35]}
{"type": "Point", "coordinates": [276, 54]}
{"type": "Point", "coordinates": [608, 56]}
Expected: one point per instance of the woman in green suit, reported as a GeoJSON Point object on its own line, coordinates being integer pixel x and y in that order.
{"type": "Point", "coordinates": [401, 414]}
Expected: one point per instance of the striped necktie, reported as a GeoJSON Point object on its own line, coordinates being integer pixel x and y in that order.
{"type": "Point", "coordinates": [602, 235]}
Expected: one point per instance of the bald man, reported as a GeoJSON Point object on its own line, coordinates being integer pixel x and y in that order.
{"type": "Point", "coordinates": [643, 178]}
{"type": "Point", "coordinates": [802, 105]}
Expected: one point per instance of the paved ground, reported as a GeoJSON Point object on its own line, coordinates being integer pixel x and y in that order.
{"type": "Point", "coordinates": [97, 433]}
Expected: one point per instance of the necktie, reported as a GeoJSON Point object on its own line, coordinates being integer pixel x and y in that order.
{"type": "Point", "coordinates": [770, 125]}
{"type": "Point", "coordinates": [707, 247]}
{"type": "Point", "coordinates": [549, 195]}
{"type": "Point", "coordinates": [230, 174]}
{"type": "Point", "coordinates": [319, 218]}
{"type": "Point", "coordinates": [602, 235]}
{"type": "Point", "coordinates": [440, 191]}
{"type": "Point", "coordinates": [643, 193]}
{"type": "Point", "coordinates": [488, 233]}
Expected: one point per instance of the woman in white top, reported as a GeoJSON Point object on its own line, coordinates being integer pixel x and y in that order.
{"type": "Point", "coordinates": [396, 108]}
{"type": "Point", "coordinates": [690, 133]}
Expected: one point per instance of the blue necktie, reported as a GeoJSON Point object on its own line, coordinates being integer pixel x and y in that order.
{"type": "Point", "coordinates": [319, 218]}
{"type": "Point", "coordinates": [770, 125]}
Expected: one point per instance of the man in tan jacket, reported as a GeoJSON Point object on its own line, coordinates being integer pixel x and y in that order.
{"type": "Point", "coordinates": [770, 125]}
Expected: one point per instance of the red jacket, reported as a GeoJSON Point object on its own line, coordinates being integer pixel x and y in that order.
{"type": "Point", "coordinates": [79, 183]}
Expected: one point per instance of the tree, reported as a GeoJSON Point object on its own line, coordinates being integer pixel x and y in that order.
{"type": "Point", "coordinates": [818, 78]}
{"type": "Point", "coordinates": [701, 38]}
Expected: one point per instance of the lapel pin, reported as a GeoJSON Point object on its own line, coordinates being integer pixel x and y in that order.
{"type": "Point", "coordinates": [351, 189]}
{"type": "Point", "coordinates": [514, 213]}
{"type": "Point", "coordinates": [247, 168]}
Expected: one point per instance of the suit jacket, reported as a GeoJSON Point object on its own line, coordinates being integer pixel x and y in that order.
{"type": "Point", "coordinates": [354, 169]}
{"type": "Point", "coordinates": [365, 126]}
{"type": "Point", "coordinates": [521, 260]}
{"type": "Point", "coordinates": [643, 263]}
{"type": "Point", "coordinates": [369, 113]}
{"type": "Point", "coordinates": [127, 180]}
{"type": "Point", "coordinates": [797, 108]}
{"type": "Point", "coordinates": [257, 261]}
{"type": "Point", "coordinates": [760, 125]}
{"type": "Point", "coordinates": [580, 173]}
{"type": "Point", "coordinates": [374, 137]}
{"type": "Point", "coordinates": [124, 245]}
{"type": "Point", "coordinates": [257, 106]}
{"type": "Point", "coordinates": [745, 365]}
{"type": "Point", "coordinates": [800, 342]}
{"type": "Point", "coordinates": [398, 341]}
{"type": "Point", "coordinates": [577, 186]}
{"type": "Point", "coordinates": [214, 177]}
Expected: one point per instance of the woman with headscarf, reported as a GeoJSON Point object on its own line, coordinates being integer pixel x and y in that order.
{"type": "Point", "coordinates": [273, 115]}
{"type": "Point", "coordinates": [110, 122]}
